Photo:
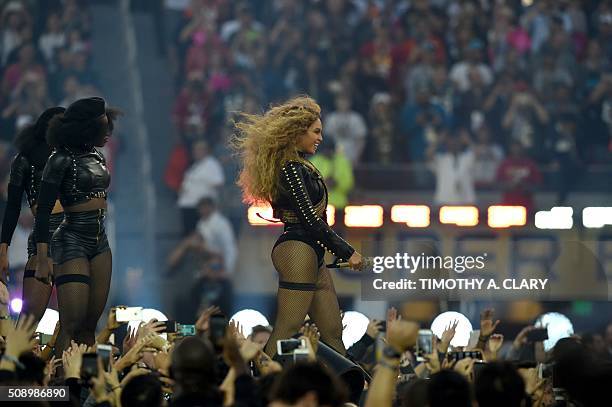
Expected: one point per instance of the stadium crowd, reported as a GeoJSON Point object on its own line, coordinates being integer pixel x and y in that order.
{"type": "Point", "coordinates": [216, 365]}
{"type": "Point", "coordinates": [519, 86]}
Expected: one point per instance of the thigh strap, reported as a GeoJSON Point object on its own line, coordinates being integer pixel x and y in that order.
{"type": "Point", "coordinates": [72, 278]}
{"type": "Point", "coordinates": [288, 285]}
{"type": "Point", "coordinates": [29, 273]}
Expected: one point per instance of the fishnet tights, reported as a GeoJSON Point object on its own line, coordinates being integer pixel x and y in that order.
{"type": "Point", "coordinates": [36, 294]}
{"type": "Point", "coordinates": [81, 304]}
{"type": "Point", "coordinates": [296, 262]}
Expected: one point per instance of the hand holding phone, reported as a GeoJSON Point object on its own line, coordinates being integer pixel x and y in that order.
{"type": "Point", "coordinates": [424, 344]}
{"type": "Point", "coordinates": [105, 352]}
{"type": "Point", "coordinates": [126, 314]}
{"type": "Point", "coordinates": [537, 335]}
{"type": "Point", "coordinates": [89, 366]}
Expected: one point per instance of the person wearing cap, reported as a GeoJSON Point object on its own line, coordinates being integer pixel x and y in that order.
{"type": "Point", "coordinates": [25, 176]}
{"type": "Point", "coordinates": [76, 172]}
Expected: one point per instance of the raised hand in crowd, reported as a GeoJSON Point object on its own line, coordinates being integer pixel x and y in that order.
{"type": "Point", "coordinates": [111, 325]}
{"type": "Point", "coordinates": [18, 339]}
{"type": "Point", "coordinates": [495, 343]}
{"type": "Point", "coordinates": [447, 336]}
{"type": "Point", "coordinates": [203, 323]}
{"type": "Point", "coordinates": [487, 327]}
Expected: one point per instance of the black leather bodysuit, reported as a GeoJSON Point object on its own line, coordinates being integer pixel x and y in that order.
{"type": "Point", "coordinates": [76, 176]}
{"type": "Point", "coordinates": [301, 206]}
{"type": "Point", "coordinates": [25, 176]}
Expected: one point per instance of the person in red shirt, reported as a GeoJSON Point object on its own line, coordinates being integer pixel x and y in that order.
{"type": "Point", "coordinates": [519, 176]}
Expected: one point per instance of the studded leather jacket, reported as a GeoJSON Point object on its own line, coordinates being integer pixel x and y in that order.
{"type": "Point", "coordinates": [75, 176]}
{"type": "Point", "coordinates": [25, 176]}
{"type": "Point", "coordinates": [80, 175]}
{"type": "Point", "coordinates": [302, 203]}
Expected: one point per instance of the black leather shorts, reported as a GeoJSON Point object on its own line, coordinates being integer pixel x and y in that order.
{"type": "Point", "coordinates": [81, 234]}
{"type": "Point", "coordinates": [54, 221]}
{"type": "Point", "coordinates": [296, 232]}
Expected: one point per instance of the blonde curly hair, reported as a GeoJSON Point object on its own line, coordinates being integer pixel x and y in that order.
{"type": "Point", "coordinates": [266, 142]}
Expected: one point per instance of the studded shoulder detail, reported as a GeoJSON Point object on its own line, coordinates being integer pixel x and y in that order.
{"type": "Point", "coordinates": [292, 180]}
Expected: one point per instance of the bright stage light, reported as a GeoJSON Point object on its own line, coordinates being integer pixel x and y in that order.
{"type": "Point", "coordinates": [596, 216]}
{"type": "Point", "coordinates": [502, 216]}
{"type": "Point", "coordinates": [248, 318]}
{"type": "Point", "coordinates": [459, 215]}
{"type": "Point", "coordinates": [48, 321]}
{"type": "Point", "coordinates": [414, 216]}
{"type": "Point", "coordinates": [355, 324]}
{"type": "Point", "coordinates": [559, 326]}
{"type": "Point", "coordinates": [265, 211]}
{"type": "Point", "coordinates": [462, 332]}
{"type": "Point", "coordinates": [330, 211]}
{"type": "Point", "coordinates": [559, 217]}
{"type": "Point", "coordinates": [363, 216]}
{"type": "Point", "coordinates": [16, 305]}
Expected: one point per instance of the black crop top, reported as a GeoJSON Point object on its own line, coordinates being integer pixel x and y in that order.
{"type": "Point", "coordinates": [80, 176]}
{"type": "Point", "coordinates": [301, 186]}
{"type": "Point", "coordinates": [76, 176]}
{"type": "Point", "coordinates": [24, 177]}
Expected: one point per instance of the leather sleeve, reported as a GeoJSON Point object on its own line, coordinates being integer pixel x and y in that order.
{"type": "Point", "coordinates": [20, 170]}
{"type": "Point", "coordinates": [11, 213]}
{"type": "Point", "coordinates": [292, 180]}
{"type": "Point", "coordinates": [56, 167]}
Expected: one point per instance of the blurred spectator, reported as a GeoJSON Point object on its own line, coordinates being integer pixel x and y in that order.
{"type": "Point", "coordinates": [419, 123]}
{"type": "Point", "coordinates": [382, 138]}
{"type": "Point", "coordinates": [525, 119]}
{"type": "Point", "coordinates": [519, 176]}
{"type": "Point", "coordinates": [548, 75]}
{"type": "Point", "coordinates": [499, 384]}
{"type": "Point", "coordinates": [337, 172]}
{"type": "Point", "coordinates": [25, 67]}
{"type": "Point", "coordinates": [202, 179]}
{"type": "Point", "coordinates": [217, 233]}
{"type": "Point", "coordinates": [595, 343]}
{"type": "Point", "coordinates": [448, 388]}
{"type": "Point", "coordinates": [453, 166]}
{"type": "Point", "coordinates": [565, 155]}
{"type": "Point", "coordinates": [191, 105]}
{"type": "Point", "coordinates": [73, 90]}
{"type": "Point", "coordinates": [194, 370]}
{"type": "Point", "coordinates": [422, 71]}
{"type": "Point", "coordinates": [244, 24]}
{"type": "Point", "coordinates": [53, 38]}
{"type": "Point", "coordinates": [14, 19]}
{"type": "Point", "coordinates": [487, 157]}
{"type": "Point", "coordinates": [308, 384]}
{"type": "Point", "coordinates": [29, 99]}
{"type": "Point", "coordinates": [347, 128]}
{"type": "Point", "coordinates": [209, 256]}
{"type": "Point", "coordinates": [143, 391]}
{"type": "Point", "coordinates": [464, 71]}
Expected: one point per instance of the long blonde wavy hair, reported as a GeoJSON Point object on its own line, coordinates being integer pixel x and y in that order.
{"type": "Point", "coordinates": [266, 142]}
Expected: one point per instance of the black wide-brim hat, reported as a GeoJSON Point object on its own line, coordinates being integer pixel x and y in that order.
{"type": "Point", "coordinates": [85, 110]}
{"type": "Point", "coordinates": [81, 117]}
